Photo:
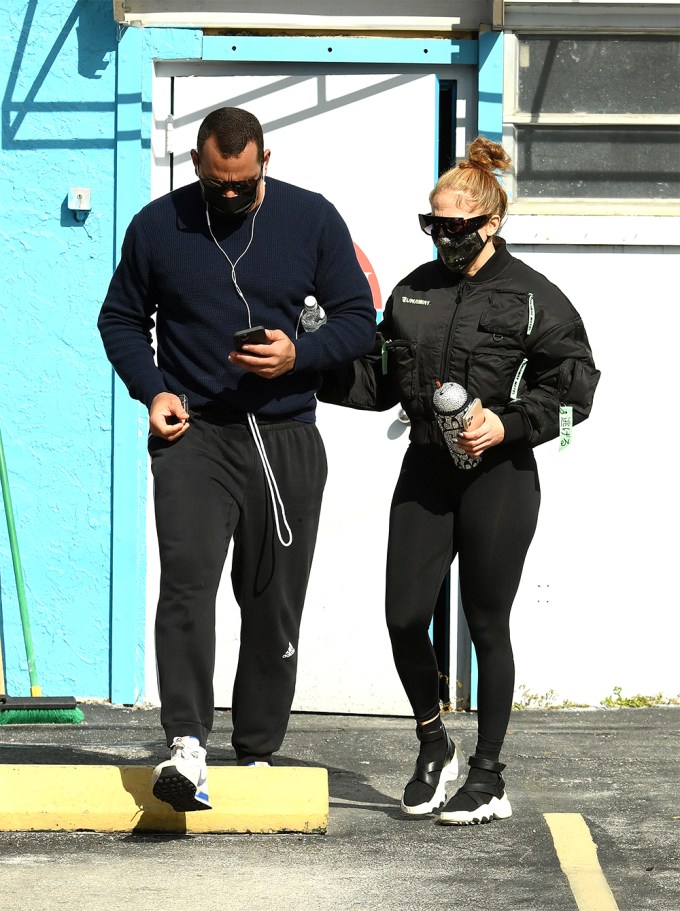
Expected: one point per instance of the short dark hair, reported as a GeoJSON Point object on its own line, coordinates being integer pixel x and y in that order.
{"type": "Point", "coordinates": [233, 129]}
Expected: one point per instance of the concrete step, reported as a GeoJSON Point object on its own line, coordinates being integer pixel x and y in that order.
{"type": "Point", "coordinates": [110, 798]}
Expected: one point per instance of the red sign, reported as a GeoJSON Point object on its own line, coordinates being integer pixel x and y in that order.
{"type": "Point", "coordinates": [367, 269]}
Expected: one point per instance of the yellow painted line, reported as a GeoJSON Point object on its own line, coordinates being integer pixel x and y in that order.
{"type": "Point", "coordinates": [577, 854]}
{"type": "Point", "coordinates": [118, 799]}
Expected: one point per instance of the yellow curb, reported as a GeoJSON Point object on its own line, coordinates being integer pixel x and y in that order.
{"type": "Point", "coordinates": [103, 798]}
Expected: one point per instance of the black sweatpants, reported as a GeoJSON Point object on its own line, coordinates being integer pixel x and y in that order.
{"type": "Point", "coordinates": [209, 486]}
{"type": "Point", "coordinates": [487, 516]}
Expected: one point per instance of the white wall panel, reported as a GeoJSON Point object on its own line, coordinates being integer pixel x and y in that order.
{"type": "Point", "coordinates": [598, 604]}
{"type": "Point", "coordinates": [344, 135]}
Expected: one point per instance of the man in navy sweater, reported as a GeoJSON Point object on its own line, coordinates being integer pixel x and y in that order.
{"type": "Point", "coordinates": [240, 457]}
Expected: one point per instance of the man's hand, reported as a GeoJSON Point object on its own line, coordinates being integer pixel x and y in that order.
{"type": "Point", "coordinates": [267, 361]}
{"type": "Point", "coordinates": [488, 434]}
{"type": "Point", "coordinates": [167, 418]}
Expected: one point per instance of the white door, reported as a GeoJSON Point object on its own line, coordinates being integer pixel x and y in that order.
{"type": "Point", "coordinates": [368, 141]}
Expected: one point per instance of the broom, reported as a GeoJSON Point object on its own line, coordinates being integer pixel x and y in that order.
{"type": "Point", "coordinates": [36, 709]}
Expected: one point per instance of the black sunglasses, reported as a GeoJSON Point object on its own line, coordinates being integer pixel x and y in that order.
{"type": "Point", "coordinates": [437, 225]}
{"type": "Point", "coordinates": [236, 186]}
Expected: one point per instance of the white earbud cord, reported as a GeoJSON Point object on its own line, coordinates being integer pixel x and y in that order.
{"type": "Point", "coordinates": [234, 265]}
{"type": "Point", "coordinates": [252, 422]}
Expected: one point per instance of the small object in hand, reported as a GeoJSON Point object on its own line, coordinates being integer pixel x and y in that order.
{"type": "Point", "coordinates": [255, 335]}
{"type": "Point", "coordinates": [184, 401]}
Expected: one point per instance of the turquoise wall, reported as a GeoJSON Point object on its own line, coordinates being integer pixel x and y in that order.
{"type": "Point", "coordinates": [57, 71]}
{"type": "Point", "coordinates": [76, 112]}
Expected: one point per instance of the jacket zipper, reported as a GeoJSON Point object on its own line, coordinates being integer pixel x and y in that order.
{"type": "Point", "coordinates": [462, 288]}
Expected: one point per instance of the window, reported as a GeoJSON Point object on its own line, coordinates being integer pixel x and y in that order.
{"type": "Point", "coordinates": [592, 121]}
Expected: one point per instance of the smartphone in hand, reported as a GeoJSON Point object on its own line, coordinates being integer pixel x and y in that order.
{"type": "Point", "coordinates": [256, 335]}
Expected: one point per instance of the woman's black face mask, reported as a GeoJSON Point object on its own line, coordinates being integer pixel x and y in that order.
{"type": "Point", "coordinates": [457, 254]}
{"type": "Point", "coordinates": [457, 239]}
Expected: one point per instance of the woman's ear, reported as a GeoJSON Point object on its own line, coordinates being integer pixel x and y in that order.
{"type": "Point", "coordinates": [493, 225]}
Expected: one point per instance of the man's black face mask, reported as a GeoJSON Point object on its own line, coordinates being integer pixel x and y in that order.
{"type": "Point", "coordinates": [229, 206]}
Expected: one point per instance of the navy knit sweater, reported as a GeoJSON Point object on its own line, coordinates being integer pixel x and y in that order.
{"type": "Point", "coordinates": [172, 273]}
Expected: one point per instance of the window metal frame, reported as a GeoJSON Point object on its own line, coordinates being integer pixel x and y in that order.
{"type": "Point", "coordinates": [587, 16]}
{"type": "Point", "coordinates": [513, 118]}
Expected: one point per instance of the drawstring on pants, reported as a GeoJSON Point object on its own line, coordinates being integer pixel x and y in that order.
{"type": "Point", "coordinates": [271, 481]}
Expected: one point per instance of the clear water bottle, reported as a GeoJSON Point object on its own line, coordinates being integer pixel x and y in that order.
{"type": "Point", "coordinates": [313, 315]}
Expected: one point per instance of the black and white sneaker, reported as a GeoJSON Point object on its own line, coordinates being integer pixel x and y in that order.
{"type": "Point", "coordinates": [432, 778]}
{"type": "Point", "coordinates": [481, 799]}
{"type": "Point", "coordinates": [182, 780]}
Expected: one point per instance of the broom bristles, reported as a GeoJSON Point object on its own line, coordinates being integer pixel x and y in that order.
{"type": "Point", "coordinates": [41, 716]}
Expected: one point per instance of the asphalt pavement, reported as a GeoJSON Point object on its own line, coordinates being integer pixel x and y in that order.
{"type": "Point", "coordinates": [616, 769]}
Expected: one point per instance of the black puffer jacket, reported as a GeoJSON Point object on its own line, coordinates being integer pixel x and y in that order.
{"type": "Point", "coordinates": [506, 334]}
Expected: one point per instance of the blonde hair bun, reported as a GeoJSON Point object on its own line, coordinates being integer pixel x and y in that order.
{"type": "Point", "coordinates": [487, 155]}
{"type": "Point", "coordinates": [474, 182]}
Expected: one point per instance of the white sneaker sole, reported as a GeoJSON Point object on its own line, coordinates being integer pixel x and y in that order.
{"type": "Point", "coordinates": [496, 808]}
{"type": "Point", "coordinates": [448, 774]}
{"type": "Point", "coordinates": [179, 791]}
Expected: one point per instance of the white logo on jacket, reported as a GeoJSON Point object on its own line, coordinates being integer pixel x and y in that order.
{"type": "Point", "coordinates": [415, 300]}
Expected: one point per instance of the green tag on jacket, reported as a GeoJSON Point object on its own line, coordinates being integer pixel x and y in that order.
{"type": "Point", "coordinates": [566, 425]}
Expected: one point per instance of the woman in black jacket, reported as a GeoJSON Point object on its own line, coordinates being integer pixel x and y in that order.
{"type": "Point", "coordinates": [482, 319]}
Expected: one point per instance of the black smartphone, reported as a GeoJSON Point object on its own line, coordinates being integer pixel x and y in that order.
{"type": "Point", "coordinates": [253, 336]}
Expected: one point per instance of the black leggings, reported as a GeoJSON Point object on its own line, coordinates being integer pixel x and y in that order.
{"type": "Point", "coordinates": [487, 516]}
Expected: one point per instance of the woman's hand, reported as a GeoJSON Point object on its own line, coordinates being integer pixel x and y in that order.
{"type": "Point", "coordinates": [490, 433]}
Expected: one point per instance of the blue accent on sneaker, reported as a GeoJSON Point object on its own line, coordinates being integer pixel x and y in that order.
{"type": "Point", "coordinates": [181, 780]}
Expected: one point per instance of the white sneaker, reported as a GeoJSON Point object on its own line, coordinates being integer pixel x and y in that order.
{"type": "Point", "coordinates": [496, 806]}
{"type": "Point", "coordinates": [182, 780]}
